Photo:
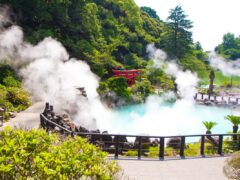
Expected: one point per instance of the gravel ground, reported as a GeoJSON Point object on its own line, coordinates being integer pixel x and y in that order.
{"type": "Point", "coordinates": [184, 169]}
{"type": "Point", "coordinates": [28, 119]}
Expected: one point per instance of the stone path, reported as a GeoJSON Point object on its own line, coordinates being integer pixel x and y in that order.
{"type": "Point", "coordinates": [186, 169]}
{"type": "Point", "coordinates": [28, 119]}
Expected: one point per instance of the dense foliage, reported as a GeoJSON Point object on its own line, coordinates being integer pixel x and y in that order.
{"type": "Point", "coordinates": [37, 155]}
{"type": "Point", "coordinates": [109, 34]}
{"type": "Point", "coordinates": [104, 33]}
{"type": "Point", "coordinates": [230, 47]}
{"type": "Point", "coordinates": [151, 12]}
{"type": "Point", "coordinates": [12, 95]}
{"type": "Point", "coordinates": [118, 85]}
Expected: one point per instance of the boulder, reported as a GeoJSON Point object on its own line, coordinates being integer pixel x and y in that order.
{"type": "Point", "coordinates": [174, 142]}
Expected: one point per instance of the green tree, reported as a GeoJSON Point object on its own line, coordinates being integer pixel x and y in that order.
{"type": "Point", "coordinates": [230, 47]}
{"type": "Point", "coordinates": [198, 46]}
{"type": "Point", "coordinates": [151, 12]}
{"type": "Point", "coordinates": [229, 41]}
{"type": "Point", "coordinates": [119, 85]}
{"type": "Point", "coordinates": [178, 38]}
{"type": "Point", "coordinates": [235, 120]}
{"type": "Point", "coordinates": [209, 125]}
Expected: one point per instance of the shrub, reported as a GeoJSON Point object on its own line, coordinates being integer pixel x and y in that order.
{"type": "Point", "coordinates": [36, 155]}
{"type": "Point", "coordinates": [11, 82]}
{"type": "Point", "coordinates": [17, 96]}
{"type": "Point", "coordinates": [232, 167]}
{"type": "Point", "coordinates": [131, 153]}
{"type": "Point", "coordinates": [6, 116]}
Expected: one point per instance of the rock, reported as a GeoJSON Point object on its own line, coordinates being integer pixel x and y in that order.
{"type": "Point", "coordinates": [111, 149]}
{"type": "Point", "coordinates": [12, 114]}
{"type": "Point", "coordinates": [128, 146]}
{"type": "Point", "coordinates": [82, 129]}
{"type": "Point", "coordinates": [108, 140]}
{"type": "Point", "coordinates": [175, 142]}
{"type": "Point", "coordinates": [155, 142]}
{"type": "Point", "coordinates": [146, 142]}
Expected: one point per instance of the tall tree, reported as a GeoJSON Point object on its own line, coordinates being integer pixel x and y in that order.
{"type": "Point", "coordinates": [178, 36]}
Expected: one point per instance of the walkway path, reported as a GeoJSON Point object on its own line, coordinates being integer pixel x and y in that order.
{"type": "Point", "coordinates": [188, 169]}
{"type": "Point", "coordinates": [28, 119]}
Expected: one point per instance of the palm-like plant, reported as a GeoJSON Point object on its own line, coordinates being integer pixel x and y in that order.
{"type": "Point", "coordinates": [209, 125]}
{"type": "Point", "coordinates": [235, 120]}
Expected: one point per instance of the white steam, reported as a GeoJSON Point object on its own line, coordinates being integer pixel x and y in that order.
{"type": "Point", "coordinates": [50, 76]}
{"type": "Point", "coordinates": [186, 81]}
{"type": "Point", "coordinates": [228, 68]}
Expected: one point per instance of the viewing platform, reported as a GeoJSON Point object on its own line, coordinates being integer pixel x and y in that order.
{"type": "Point", "coordinates": [227, 100]}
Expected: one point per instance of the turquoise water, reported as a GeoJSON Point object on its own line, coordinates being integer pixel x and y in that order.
{"type": "Point", "coordinates": [180, 118]}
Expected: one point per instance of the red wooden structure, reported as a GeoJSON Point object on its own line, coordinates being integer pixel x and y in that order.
{"type": "Point", "coordinates": [130, 75]}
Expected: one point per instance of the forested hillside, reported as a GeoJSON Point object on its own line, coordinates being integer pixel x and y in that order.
{"type": "Point", "coordinates": [104, 33]}
{"type": "Point", "coordinates": [111, 33]}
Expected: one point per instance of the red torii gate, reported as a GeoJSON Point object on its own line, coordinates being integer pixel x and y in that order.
{"type": "Point", "coordinates": [130, 75]}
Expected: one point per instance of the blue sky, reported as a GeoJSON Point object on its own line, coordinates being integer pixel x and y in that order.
{"type": "Point", "coordinates": [211, 18]}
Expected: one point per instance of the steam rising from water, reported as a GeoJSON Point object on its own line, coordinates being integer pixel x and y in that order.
{"type": "Point", "coordinates": [186, 81]}
{"type": "Point", "coordinates": [228, 68]}
{"type": "Point", "coordinates": [49, 75]}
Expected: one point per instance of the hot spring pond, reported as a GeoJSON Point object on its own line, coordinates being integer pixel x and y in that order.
{"type": "Point", "coordinates": [180, 118]}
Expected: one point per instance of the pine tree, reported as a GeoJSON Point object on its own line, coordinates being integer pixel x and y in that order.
{"type": "Point", "coordinates": [178, 36]}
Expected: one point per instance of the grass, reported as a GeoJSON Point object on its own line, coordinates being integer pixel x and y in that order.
{"type": "Point", "coordinates": [191, 150]}
{"type": "Point", "coordinates": [220, 79]}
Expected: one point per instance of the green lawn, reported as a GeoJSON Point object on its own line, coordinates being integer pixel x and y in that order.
{"type": "Point", "coordinates": [220, 79]}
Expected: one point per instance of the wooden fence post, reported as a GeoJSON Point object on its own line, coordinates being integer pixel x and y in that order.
{"type": "Point", "coordinates": [202, 146]}
{"type": "Point", "coordinates": [220, 142]}
{"type": "Point", "coordinates": [116, 147]}
{"type": "Point", "coordinates": [182, 146]}
{"type": "Point", "coordinates": [161, 148]}
{"type": "Point", "coordinates": [140, 148]}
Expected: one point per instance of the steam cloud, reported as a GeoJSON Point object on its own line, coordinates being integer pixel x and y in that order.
{"type": "Point", "coordinates": [186, 81]}
{"type": "Point", "coordinates": [228, 68]}
{"type": "Point", "coordinates": [50, 76]}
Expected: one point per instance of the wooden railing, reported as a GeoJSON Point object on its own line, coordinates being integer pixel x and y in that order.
{"type": "Point", "coordinates": [116, 145]}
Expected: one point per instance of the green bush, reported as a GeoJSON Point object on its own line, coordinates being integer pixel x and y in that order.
{"type": "Point", "coordinates": [131, 153]}
{"type": "Point", "coordinates": [17, 96]}
{"type": "Point", "coordinates": [12, 96]}
{"type": "Point", "coordinates": [11, 82]}
{"type": "Point", "coordinates": [6, 116]}
{"type": "Point", "coordinates": [36, 155]}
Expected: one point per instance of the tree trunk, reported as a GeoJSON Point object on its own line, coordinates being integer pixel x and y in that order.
{"type": "Point", "coordinates": [211, 139]}
{"type": "Point", "coordinates": [211, 77]}
{"type": "Point", "coordinates": [235, 130]}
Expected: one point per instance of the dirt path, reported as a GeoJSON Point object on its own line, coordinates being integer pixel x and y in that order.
{"type": "Point", "coordinates": [188, 169]}
{"type": "Point", "coordinates": [28, 119]}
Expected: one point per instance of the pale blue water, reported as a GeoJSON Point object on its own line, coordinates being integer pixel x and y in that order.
{"type": "Point", "coordinates": [157, 118]}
